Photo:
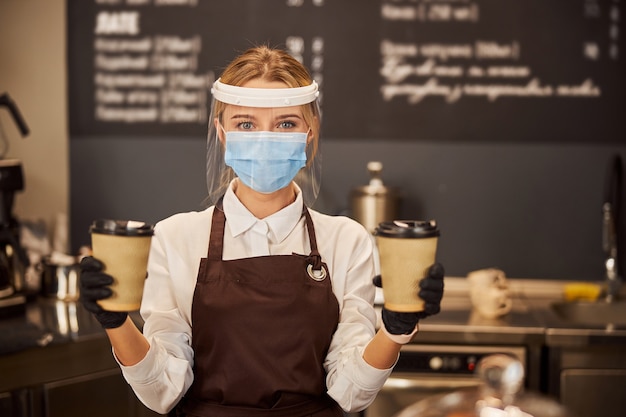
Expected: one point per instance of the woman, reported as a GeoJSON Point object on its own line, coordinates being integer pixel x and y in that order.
{"type": "Point", "coordinates": [259, 305]}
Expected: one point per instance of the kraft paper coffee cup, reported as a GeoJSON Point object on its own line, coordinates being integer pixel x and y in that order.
{"type": "Point", "coordinates": [123, 246]}
{"type": "Point", "coordinates": [406, 248]}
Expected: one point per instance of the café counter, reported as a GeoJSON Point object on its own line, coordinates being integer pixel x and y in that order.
{"type": "Point", "coordinates": [56, 361]}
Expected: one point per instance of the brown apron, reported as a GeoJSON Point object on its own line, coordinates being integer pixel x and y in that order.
{"type": "Point", "coordinates": [261, 328]}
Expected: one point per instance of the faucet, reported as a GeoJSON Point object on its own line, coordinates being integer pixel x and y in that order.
{"type": "Point", "coordinates": [611, 222]}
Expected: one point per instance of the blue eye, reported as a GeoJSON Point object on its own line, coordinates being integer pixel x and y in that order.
{"type": "Point", "coordinates": [286, 124]}
{"type": "Point", "coordinates": [245, 125]}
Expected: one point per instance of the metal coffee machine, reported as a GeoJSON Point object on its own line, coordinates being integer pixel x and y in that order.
{"type": "Point", "coordinates": [374, 203]}
{"type": "Point", "coordinates": [13, 258]}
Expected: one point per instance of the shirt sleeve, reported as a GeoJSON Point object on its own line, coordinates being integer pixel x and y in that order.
{"type": "Point", "coordinates": [351, 381]}
{"type": "Point", "coordinates": [165, 374]}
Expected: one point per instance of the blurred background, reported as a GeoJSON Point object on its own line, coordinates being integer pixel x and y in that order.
{"type": "Point", "coordinates": [515, 178]}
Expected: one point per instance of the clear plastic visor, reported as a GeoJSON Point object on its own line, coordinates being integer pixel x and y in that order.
{"type": "Point", "coordinates": [297, 117]}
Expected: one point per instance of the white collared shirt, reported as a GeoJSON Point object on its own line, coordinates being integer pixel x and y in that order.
{"type": "Point", "coordinates": [180, 241]}
{"type": "Point", "coordinates": [260, 237]}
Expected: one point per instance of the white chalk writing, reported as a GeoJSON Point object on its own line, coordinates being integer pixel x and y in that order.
{"type": "Point", "coordinates": [143, 78]}
{"type": "Point", "coordinates": [479, 68]}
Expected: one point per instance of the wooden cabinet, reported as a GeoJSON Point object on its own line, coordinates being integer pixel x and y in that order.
{"type": "Point", "coordinates": [594, 392]}
{"type": "Point", "coordinates": [102, 394]}
{"type": "Point", "coordinates": [6, 404]}
{"type": "Point", "coordinates": [589, 380]}
{"type": "Point", "coordinates": [18, 404]}
{"type": "Point", "coordinates": [79, 378]}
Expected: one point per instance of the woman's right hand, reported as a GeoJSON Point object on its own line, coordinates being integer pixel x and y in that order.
{"type": "Point", "coordinates": [94, 286]}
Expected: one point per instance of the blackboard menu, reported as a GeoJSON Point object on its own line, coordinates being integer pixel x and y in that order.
{"type": "Point", "coordinates": [439, 70]}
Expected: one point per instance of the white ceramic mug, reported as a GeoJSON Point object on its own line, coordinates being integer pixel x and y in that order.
{"type": "Point", "coordinates": [489, 292]}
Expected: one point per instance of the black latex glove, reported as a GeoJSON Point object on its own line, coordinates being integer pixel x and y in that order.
{"type": "Point", "coordinates": [431, 291]}
{"type": "Point", "coordinates": [94, 286]}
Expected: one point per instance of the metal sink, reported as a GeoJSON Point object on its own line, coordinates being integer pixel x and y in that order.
{"type": "Point", "coordinates": [594, 314]}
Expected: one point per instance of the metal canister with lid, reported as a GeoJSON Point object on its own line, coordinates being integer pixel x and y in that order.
{"type": "Point", "coordinates": [374, 203]}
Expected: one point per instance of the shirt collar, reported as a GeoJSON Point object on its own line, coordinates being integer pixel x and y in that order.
{"type": "Point", "coordinates": [280, 224]}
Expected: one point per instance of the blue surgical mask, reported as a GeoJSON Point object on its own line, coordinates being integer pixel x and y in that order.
{"type": "Point", "coordinates": [266, 161]}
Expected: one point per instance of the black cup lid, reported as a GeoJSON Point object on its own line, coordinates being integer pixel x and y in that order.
{"type": "Point", "coordinates": [122, 227]}
{"type": "Point", "coordinates": [409, 229]}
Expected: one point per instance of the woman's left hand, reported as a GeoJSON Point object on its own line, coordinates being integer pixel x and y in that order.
{"type": "Point", "coordinates": [431, 291]}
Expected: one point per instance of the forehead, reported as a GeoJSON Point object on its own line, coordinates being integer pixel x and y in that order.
{"type": "Point", "coordinates": [264, 113]}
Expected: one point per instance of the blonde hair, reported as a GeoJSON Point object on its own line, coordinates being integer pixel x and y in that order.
{"type": "Point", "coordinates": [263, 62]}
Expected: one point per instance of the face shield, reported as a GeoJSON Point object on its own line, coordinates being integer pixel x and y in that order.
{"type": "Point", "coordinates": [267, 137]}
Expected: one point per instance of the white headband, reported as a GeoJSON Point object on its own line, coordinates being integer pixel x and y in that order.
{"type": "Point", "coordinates": [264, 97]}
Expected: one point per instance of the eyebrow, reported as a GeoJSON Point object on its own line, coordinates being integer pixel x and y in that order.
{"type": "Point", "coordinates": [284, 116]}
{"type": "Point", "coordinates": [242, 116]}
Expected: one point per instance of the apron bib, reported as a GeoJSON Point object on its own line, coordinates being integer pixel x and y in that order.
{"type": "Point", "coordinates": [261, 328]}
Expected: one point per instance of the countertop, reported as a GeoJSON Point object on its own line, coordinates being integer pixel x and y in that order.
{"type": "Point", "coordinates": [52, 338]}
{"type": "Point", "coordinates": [49, 322]}
{"type": "Point", "coordinates": [530, 320]}
{"type": "Point", "coordinates": [46, 322]}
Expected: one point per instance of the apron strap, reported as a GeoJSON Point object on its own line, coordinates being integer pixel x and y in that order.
{"type": "Point", "coordinates": [310, 228]}
{"type": "Point", "coordinates": [317, 269]}
{"type": "Point", "coordinates": [216, 240]}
